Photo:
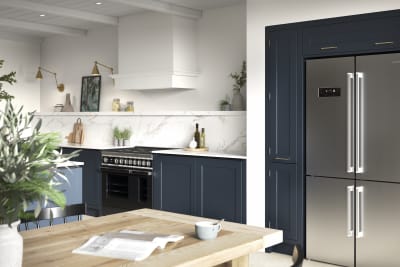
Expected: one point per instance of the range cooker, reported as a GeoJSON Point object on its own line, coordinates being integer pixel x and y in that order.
{"type": "Point", "coordinates": [127, 178]}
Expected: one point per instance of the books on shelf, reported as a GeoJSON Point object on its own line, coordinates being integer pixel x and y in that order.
{"type": "Point", "coordinates": [128, 245]}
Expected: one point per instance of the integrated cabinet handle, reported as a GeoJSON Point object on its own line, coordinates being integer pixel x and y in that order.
{"type": "Point", "coordinates": [350, 121]}
{"type": "Point", "coordinates": [278, 158]}
{"type": "Point", "coordinates": [384, 43]}
{"type": "Point", "coordinates": [359, 122]}
{"type": "Point", "coordinates": [328, 47]}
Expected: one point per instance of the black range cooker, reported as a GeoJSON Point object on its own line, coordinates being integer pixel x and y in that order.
{"type": "Point", "coordinates": [127, 179]}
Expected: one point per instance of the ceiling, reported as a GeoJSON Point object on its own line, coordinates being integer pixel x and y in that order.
{"type": "Point", "coordinates": [43, 18]}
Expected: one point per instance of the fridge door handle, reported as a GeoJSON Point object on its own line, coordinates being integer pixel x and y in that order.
{"type": "Point", "coordinates": [350, 123]}
{"type": "Point", "coordinates": [350, 213]}
{"type": "Point", "coordinates": [360, 211]}
{"type": "Point", "coordinates": [359, 122]}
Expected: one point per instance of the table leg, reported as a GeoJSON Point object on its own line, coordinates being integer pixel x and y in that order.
{"type": "Point", "coordinates": [238, 262]}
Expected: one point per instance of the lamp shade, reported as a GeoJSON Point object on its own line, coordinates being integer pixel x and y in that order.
{"type": "Point", "coordinates": [39, 75]}
{"type": "Point", "coordinates": [95, 70]}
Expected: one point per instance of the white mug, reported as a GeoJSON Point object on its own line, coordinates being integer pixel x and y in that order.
{"type": "Point", "coordinates": [207, 230]}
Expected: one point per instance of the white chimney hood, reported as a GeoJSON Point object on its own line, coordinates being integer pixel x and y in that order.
{"type": "Point", "coordinates": [156, 51]}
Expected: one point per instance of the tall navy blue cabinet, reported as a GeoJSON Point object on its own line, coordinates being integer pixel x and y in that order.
{"type": "Point", "coordinates": [287, 47]}
{"type": "Point", "coordinates": [200, 186]}
{"type": "Point", "coordinates": [91, 178]}
{"type": "Point", "coordinates": [284, 187]}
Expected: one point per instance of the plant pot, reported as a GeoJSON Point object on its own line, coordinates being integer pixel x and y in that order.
{"type": "Point", "coordinates": [11, 245]}
{"type": "Point", "coordinates": [237, 100]}
{"type": "Point", "coordinates": [126, 142]}
{"type": "Point", "coordinates": [225, 107]}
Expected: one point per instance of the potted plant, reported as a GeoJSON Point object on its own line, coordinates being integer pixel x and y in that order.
{"type": "Point", "coordinates": [126, 135]}
{"type": "Point", "coordinates": [240, 81]}
{"type": "Point", "coordinates": [28, 174]}
{"type": "Point", "coordinates": [117, 136]}
{"type": "Point", "coordinates": [224, 105]}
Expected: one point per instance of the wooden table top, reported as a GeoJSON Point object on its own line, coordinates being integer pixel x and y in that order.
{"type": "Point", "coordinates": [52, 246]}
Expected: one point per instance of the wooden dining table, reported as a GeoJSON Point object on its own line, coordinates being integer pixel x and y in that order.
{"type": "Point", "coordinates": [52, 246]}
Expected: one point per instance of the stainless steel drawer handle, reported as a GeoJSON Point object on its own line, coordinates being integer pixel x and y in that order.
{"type": "Point", "coordinates": [328, 47]}
{"type": "Point", "coordinates": [384, 43]}
{"type": "Point", "coordinates": [278, 158]}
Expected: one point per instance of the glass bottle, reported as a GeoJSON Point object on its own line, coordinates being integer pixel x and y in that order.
{"type": "Point", "coordinates": [115, 104]}
{"type": "Point", "coordinates": [202, 138]}
{"type": "Point", "coordinates": [129, 106]}
{"type": "Point", "coordinates": [197, 135]}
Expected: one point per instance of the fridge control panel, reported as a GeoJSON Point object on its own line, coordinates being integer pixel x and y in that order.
{"type": "Point", "coordinates": [328, 92]}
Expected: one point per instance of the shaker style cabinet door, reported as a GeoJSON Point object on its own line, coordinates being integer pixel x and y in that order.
{"type": "Point", "coordinates": [220, 189]}
{"type": "Point", "coordinates": [282, 87]}
{"type": "Point", "coordinates": [173, 183]}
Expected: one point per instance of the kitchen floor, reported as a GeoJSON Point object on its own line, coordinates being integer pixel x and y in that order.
{"type": "Point", "coordinates": [261, 259]}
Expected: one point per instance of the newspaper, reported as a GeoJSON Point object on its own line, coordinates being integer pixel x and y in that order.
{"type": "Point", "coordinates": [127, 245]}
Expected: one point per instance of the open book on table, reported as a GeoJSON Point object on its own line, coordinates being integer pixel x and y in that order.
{"type": "Point", "coordinates": [128, 245]}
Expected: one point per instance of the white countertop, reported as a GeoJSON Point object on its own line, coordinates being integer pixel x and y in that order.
{"type": "Point", "coordinates": [70, 164]}
{"type": "Point", "coordinates": [91, 146]}
{"type": "Point", "coordinates": [201, 154]}
{"type": "Point", "coordinates": [146, 113]}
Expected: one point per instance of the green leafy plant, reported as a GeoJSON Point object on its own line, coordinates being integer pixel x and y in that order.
{"type": "Point", "coordinates": [9, 78]}
{"type": "Point", "coordinates": [117, 133]}
{"type": "Point", "coordinates": [126, 134]}
{"type": "Point", "coordinates": [28, 165]}
{"type": "Point", "coordinates": [240, 78]}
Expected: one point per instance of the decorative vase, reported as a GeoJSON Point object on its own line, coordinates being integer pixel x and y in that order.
{"type": "Point", "coordinates": [126, 142]}
{"type": "Point", "coordinates": [237, 100]}
{"type": "Point", "coordinates": [11, 245]}
{"type": "Point", "coordinates": [68, 106]}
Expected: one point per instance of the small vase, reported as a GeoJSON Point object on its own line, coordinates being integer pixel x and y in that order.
{"type": "Point", "coordinates": [68, 106]}
{"type": "Point", "coordinates": [126, 142]}
{"type": "Point", "coordinates": [237, 100]}
{"type": "Point", "coordinates": [11, 245]}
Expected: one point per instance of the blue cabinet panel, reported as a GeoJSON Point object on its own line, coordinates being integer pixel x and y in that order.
{"type": "Point", "coordinates": [173, 183]}
{"type": "Point", "coordinates": [282, 88]}
{"type": "Point", "coordinates": [221, 184]}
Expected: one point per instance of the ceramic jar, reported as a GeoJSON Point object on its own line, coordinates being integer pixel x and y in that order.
{"type": "Point", "coordinates": [11, 245]}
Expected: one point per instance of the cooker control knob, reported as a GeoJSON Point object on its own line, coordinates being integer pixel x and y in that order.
{"type": "Point", "coordinates": [126, 161]}
{"type": "Point", "coordinates": [105, 159]}
{"type": "Point", "coordinates": [130, 162]}
{"type": "Point", "coordinates": [139, 162]}
{"type": "Point", "coordinates": [116, 161]}
{"type": "Point", "coordinates": [148, 163]}
{"type": "Point", "coordinates": [134, 162]}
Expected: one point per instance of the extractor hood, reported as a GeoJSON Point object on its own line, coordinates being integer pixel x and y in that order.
{"type": "Point", "coordinates": [156, 51]}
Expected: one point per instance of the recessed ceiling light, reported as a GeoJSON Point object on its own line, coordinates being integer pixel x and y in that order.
{"type": "Point", "coordinates": [99, 3]}
{"type": "Point", "coordinates": [42, 15]}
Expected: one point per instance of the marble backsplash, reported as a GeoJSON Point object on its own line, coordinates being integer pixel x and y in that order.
{"type": "Point", "coordinates": [225, 130]}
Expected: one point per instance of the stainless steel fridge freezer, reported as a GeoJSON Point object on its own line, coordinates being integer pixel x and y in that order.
{"type": "Point", "coordinates": [352, 160]}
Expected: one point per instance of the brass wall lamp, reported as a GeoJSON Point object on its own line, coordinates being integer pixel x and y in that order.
{"type": "Point", "coordinates": [95, 70]}
{"type": "Point", "coordinates": [39, 76]}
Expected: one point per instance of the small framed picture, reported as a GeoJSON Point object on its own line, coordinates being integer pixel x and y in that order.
{"type": "Point", "coordinates": [90, 93]}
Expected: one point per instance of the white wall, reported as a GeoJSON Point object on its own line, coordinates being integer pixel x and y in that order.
{"type": "Point", "coordinates": [221, 49]}
{"type": "Point", "coordinates": [23, 56]}
{"type": "Point", "coordinates": [261, 13]}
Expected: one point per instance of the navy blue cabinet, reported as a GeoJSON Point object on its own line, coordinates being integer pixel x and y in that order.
{"type": "Point", "coordinates": [174, 183]}
{"type": "Point", "coordinates": [284, 203]}
{"type": "Point", "coordinates": [222, 189]}
{"type": "Point", "coordinates": [282, 89]}
{"type": "Point", "coordinates": [91, 178]}
{"type": "Point", "coordinates": [200, 186]}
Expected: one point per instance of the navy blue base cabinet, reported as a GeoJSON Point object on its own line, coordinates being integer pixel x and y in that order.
{"type": "Point", "coordinates": [200, 186]}
{"type": "Point", "coordinates": [91, 178]}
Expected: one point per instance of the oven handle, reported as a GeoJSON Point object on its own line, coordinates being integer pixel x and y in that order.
{"type": "Point", "coordinates": [125, 171]}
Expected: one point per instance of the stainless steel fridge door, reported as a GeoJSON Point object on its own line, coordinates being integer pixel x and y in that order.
{"type": "Point", "coordinates": [379, 117]}
{"type": "Point", "coordinates": [330, 220]}
{"type": "Point", "coordinates": [330, 117]}
{"type": "Point", "coordinates": [380, 219]}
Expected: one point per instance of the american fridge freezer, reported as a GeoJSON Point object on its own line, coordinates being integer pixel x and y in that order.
{"type": "Point", "coordinates": [353, 160]}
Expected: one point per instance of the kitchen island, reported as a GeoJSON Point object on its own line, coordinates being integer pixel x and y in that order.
{"type": "Point", "coordinates": [53, 246]}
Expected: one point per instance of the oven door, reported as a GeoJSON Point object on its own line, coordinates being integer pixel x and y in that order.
{"type": "Point", "coordinates": [125, 189]}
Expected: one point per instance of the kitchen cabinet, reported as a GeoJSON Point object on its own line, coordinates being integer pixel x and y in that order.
{"type": "Point", "coordinates": [352, 36]}
{"type": "Point", "coordinates": [200, 186]}
{"type": "Point", "coordinates": [284, 210]}
{"type": "Point", "coordinates": [91, 178]}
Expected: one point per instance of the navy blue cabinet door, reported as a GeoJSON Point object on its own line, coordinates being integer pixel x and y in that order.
{"type": "Point", "coordinates": [221, 189]}
{"type": "Point", "coordinates": [91, 178]}
{"type": "Point", "coordinates": [283, 207]}
{"type": "Point", "coordinates": [282, 88]}
{"type": "Point", "coordinates": [174, 183]}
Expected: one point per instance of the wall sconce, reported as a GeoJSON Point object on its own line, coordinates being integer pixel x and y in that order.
{"type": "Point", "coordinates": [39, 76]}
{"type": "Point", "coordinates": [95, 70]}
